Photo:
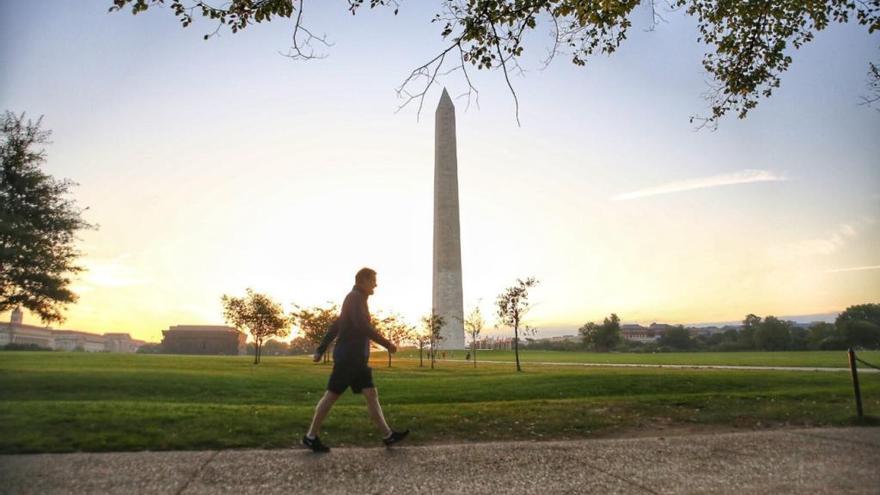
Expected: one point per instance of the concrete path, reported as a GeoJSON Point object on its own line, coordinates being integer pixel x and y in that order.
{"type": "Point", "coordinates": [845, 460]}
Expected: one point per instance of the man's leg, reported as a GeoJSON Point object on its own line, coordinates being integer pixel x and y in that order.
{"type": "Point", "coordinates": [372, 397]}
{"type": "Point", "coordinates": [321, 411]}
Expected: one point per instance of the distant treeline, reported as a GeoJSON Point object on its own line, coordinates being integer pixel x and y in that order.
{"type": "Point", "coordinates": [858, 326]}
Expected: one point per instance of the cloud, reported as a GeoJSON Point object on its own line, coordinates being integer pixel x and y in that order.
{"type": "Point", "coordinates": [831, 243]}
{"type": "Point", "coordinates": [827, 245]}
{"type": "Point", "coordinates": [853, 269]}
{"type": "Point", "coordinates": [742, 177]}
{"type": "Point", "coordinates": [111, 273]}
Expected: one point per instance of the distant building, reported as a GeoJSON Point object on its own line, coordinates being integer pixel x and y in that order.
{"type": "Point", "coordinates": [17, 332]}
{"type": "Point", "coordinates": [494, 343]}
{"type": "Point", "coordinates": [661, 328]}
{"type": "Point", "coordinates": [72, 340]}
{"type": "Point", "coordinates": [637, 333]}
{"type": "Point", "coordinates": [203, 339]}
{"type": "Point", "coordinates": [704, 331]}
{"type": "Point", "coordinates": [121, 342]}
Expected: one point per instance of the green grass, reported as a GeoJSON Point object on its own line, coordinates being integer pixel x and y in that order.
{"type": "Point", "coordinates": [60, 402]}
{"type": "Point", "coordinates": [811, 359]}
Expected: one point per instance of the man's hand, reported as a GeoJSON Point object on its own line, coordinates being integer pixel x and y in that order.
{"type": "Point", "coordinates": [392, 349]}
{"type": "Point", "coordinates": [316, 357]}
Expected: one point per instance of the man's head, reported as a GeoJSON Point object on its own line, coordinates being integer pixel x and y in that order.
{"type": "Point", "coordinates": [366, 280]}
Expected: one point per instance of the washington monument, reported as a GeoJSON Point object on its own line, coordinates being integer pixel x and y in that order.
{"type": "Point", "coordinates": [447, 295]}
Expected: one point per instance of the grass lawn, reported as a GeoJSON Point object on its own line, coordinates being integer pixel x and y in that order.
{"type": "Point", "coordinates": [60, 402]}
{"type": "Point", "coordinates": [812, 359]}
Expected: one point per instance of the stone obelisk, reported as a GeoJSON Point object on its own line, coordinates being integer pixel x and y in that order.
{"type": "Point", "coordinates": [447, 297]}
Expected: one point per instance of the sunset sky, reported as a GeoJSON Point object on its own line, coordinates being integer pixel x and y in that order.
{"type": "Point", "coordinates": [212, 166]}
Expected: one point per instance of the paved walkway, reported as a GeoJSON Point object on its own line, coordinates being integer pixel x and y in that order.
{"type": "Point", "coordinates": [845, 460]}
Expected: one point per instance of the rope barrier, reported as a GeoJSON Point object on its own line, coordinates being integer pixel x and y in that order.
{"type": "Point", "coordinates": [867, 364]}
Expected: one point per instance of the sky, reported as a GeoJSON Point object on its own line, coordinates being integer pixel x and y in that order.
{"type": "Point", "coordinates": [214, 166]}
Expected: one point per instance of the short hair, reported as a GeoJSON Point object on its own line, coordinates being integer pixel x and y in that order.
{"type": "Point", "coordinates": [364, 274]}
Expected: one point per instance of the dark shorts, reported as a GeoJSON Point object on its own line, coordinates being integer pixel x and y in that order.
{"type": "Point", "coordinates": [356, 376]}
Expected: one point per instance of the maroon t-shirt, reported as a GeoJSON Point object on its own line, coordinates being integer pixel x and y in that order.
{"type": "Point", "coordinates": [353, 331]}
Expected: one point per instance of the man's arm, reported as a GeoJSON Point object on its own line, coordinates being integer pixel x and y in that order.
{"type": "Point", "coordinates": [331, 334]}
{"type": "Point", "coordinates": [361, 320]}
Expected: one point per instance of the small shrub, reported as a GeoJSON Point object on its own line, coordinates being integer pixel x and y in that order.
{"type": "Point", "coordinates": [25, 347]}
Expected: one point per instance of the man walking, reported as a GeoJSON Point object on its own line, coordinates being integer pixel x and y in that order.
{"type": "Point", "coordinates": [353, 332]}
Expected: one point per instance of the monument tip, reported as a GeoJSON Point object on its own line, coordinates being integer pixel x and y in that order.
{"type": "Point", "coordinates": [445, 100]}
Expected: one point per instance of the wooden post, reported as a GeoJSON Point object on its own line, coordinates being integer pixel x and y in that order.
{"type": "Point", "coordinates": [855, 379]}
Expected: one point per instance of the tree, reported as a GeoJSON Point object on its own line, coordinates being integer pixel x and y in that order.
{"type": "Point", "coordinates": [818, 334]}
{"type": "Point", "coordinates": [749, 44]}
{"type": "Point", "coordinates": [773, 334]}
{"type": "Point", "coordinates": [730, 336]}
{"type": "Point", "coordinates": [862, 334]}
{"type": "Point", "coordinates": [301, 345]}
{"type": "Point", "coordinates": [512, 305]}
{"type": "Point", "coordinates": [746, 337]}
{"type": "Point", "coordinates": [259, 315]}
{"type": "Point", "coordinates": [394, 329]}
{"type": "Point", "coordinates": [433, 324]}
{"type": "Point", "coordinates": [421, 339]}
{"type": "Point", "coordinates": [677, 338]}
{"type": "Point", "coordinates": [473, 324]}
{"type": "Point", "coordinates": [799, 335]}
{"type": "Point", "coordinates": [38, 225]}
{"type": "Point", "coordinates": [314, 322]}
{"type": "Point", "coordinates": [602, 337]}
{"type": "Point", "coordinates": [860, 325]}
{"type": "Point", "coordinates": [587, 332]}
{"type": "Point", "coordinates": [274, 347]}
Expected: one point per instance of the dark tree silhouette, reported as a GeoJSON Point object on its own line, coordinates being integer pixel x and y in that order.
{"type": "Point", "coordinates": [860, 325]}
{"type": "Point", "coordinates": [315, 322]}
{"type": "Point", "coordinates": [259, 315]}
{"type": "Point", "coordinates": [602, 337]}
{"type": "Point", "coordinates": [677, 338]}
{"type": "Point", "coordinates": [38, 224]}
{"type": "Point", "coordinates": [773, 334]}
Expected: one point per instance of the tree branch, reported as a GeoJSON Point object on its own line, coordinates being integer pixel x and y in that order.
{"type": "Point", "coordinates": [296, 51]}
{"type": "Point", "coordinates": [506, 77]}
{"type": "Point", "coordinates": [430, 70]}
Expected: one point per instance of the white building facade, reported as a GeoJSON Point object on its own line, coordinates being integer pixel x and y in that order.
{"type": "Point", "coordinates": [15, 331]}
